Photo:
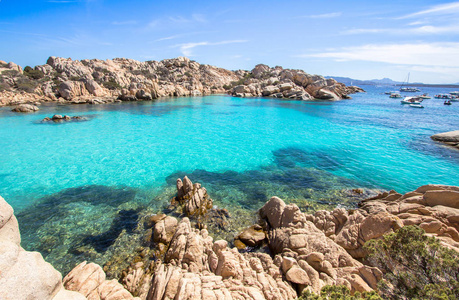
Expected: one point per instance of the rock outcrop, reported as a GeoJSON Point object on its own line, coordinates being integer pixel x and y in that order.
{"type": "Point", "coordinates": [193, 197]}
{"type": "Point", "coordinates": [434, 208]}
{"type": "Point", "coordinates": [450, 138]}
{"type": "Point", "coordinates": [306, 252]}
{"type": "Point", "coordinates": [65, 118]}
{"type": "Point", "coordinates": [89, 280]}
{"type": "Point", "coordinates": [290, 84]}
{"type": "Point", "coordinates": [24, 108]}
{"type": "Point", "coordinates": [97, 81]}
{"type": "Point", "coordinates": [73, 81]}
{"type": "Point", "coordinates": [24, 274]}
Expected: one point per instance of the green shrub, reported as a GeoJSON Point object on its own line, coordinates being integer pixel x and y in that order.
{"type": "Point", "coordinates": [34, 74]}
{"type": "Point", "coordinates": [188, 74]}
{"type": "Point", "coordinates": [337, 292]}
{"type": "Point", "coordinates": [415, 266]}
{"type": "Point", "coordinates": [25, 84]}
{"type": "Point", "coordinates": [4, 87]}
{"type": "Point", "coordinates": [75, 78]}
{"type": "Point", "coordinates": [112, 85]}
{"type": "Point", "coordinates": [10, 73]}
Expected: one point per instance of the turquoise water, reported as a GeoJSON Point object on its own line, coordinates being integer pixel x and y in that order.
{"type": "Point", "coordinates": [127, 156]}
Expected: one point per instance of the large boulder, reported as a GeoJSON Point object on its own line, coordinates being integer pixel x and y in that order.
{"type": "Point", "coordinates": [24, 274]}
{"type": "Point", "coordinates": [25, 108]}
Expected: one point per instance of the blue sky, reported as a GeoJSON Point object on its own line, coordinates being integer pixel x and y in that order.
{"type": "Point", "coordinates": [358, 39]}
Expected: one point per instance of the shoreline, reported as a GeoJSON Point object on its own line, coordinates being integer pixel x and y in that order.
{"type": "Point", "coordinates": [166, 251]}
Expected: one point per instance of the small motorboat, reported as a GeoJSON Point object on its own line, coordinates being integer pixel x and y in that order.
{"type": "Point", "coordinates": [411, 100]}
{"type": "Point", "coordinates": [447, 102]}
{"type": "Point", "coordinates": [395, 95]}
{"type": "Point", "coordinates": [390, 93]}
{"type": "Point", "coordinates": [424, 96]}
{"type": "Point", "coordinates": [409, 89]}
{"type": "Point", "coordinates": [455, 93]}
{"type": "Point", "coordinates": [415, 105]}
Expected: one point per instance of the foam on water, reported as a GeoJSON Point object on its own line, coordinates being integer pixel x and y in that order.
{"type": "Point", "coordinates": [127, 156]}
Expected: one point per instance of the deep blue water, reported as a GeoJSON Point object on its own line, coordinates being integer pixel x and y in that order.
{"type": "Point", "coordinates": [127, 156]}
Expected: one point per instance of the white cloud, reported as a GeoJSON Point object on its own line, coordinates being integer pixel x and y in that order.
{"type": "Point", "coordinates": [448, 8]}
{"type": "Point", "coordinates": [428, 29]}
{"type": "Point", "coordinates": [326, 16]}
{"type": "Point", "coordinates": [187, 48]}
{"type": "Point", "coordinates": [420, 54]}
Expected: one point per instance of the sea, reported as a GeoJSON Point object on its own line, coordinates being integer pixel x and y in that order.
{"type": "Point", "coordinates": [79, 188]}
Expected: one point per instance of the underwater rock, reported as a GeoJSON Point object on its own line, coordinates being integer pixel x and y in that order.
{"type": "Point", "coordinates": [24, 274]}
{"type": "Point", "coordinates": [65, 118]}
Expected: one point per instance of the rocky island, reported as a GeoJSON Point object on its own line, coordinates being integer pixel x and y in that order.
{"type": "Point", "coordinates": [285, 255]}
{"type": "Point", "coordinates": [95, 81]}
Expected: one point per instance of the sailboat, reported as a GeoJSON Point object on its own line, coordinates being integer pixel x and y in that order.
{"type": "Point", "coordinates": [408, 89]}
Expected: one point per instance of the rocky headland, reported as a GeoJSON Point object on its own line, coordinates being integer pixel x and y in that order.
{"type": "Point", "coordinates": [95, 81]}
{"type": "Point", "coordinates": [450, 138]}
{"type": "Point", "coordinates": [285, 254]}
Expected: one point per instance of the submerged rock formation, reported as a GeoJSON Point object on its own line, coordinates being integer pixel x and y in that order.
{"type": "Point", "coordinates": [97, 81]}
{"type": "Point", "coordinates": [65, 118]}
{"type": "Point", "coordinates": [450, 138]}
{"type": "Point", "coordinates": [290, 84]}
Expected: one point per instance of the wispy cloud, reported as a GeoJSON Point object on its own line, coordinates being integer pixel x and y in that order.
{"type": "Point", "coordinates": [168, 38]}
{"type": "Point", "coordinates": [194, 18]}
{"type": "Point", "coordinates": [187, 48]}
{"type": "Point", "coordinates": [420, 54]}
{"type": "Point", "coordinates": [436, 29]}
{"type": "Point", "coordinates": [326, 16]}
{"type": "Point", "coordinates": [448, 8]}
{"type": "Point", "coordinates": [121, 23]}
{"type": "Point", "coordinates": [420, 30]}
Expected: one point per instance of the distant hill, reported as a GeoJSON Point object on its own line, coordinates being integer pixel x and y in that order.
{"type": "Point", "coordinates": [384, 81]}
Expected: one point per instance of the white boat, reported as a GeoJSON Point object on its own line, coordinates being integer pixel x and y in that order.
{"type": "Point", "coordinates": [455, 93]}
{"type": "Point", "coordinates": [408, 89]}
{"type": "Point", "coordinates": [395, 95]}
{"type": "Point", "coordinates": [424, 96]}
{"type": "Point", "coordinates": [416, 105]}
{"type": "Point", "coordinates": [411, 100]}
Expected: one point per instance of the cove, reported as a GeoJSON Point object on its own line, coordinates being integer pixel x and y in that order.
{"type": "Point", "coordinates": [92, 179]}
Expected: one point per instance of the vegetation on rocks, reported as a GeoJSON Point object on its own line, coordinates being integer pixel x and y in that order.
{"type": "Point", "coordinates": [338, 292]}
{"type": "Point", "coordinates": [416, 266]}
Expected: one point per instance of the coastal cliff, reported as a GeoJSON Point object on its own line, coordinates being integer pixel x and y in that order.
{"type": "Point", "coordinates": [285, 255]}
{"type": "Point", "coordinates": [97, 81]}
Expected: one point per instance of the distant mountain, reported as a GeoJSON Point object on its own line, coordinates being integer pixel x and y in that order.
{"type": "Point", "coordinates": [350, 81]}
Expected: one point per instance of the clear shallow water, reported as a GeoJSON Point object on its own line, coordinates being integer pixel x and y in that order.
{"type": "Point", "coordinates": [127, 156]}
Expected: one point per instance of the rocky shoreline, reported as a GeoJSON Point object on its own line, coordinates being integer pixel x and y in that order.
{"type": "Point", "coordinates": [284, 254]}
{"type": "Point", "coordinates": [450, 138]}
{"type": "Point", "coordinates": [67, 81]}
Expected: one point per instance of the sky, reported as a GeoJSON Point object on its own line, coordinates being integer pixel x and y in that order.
{"type": "Point", "coordinates": [360, 39]}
